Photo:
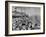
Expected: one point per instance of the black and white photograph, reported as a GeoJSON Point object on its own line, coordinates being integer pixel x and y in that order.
{"type": "Point", "coordinates": [25, 18]}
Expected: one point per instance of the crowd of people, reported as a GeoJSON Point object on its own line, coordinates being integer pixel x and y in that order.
{"type": "Point", "coordinates": [24, 22]}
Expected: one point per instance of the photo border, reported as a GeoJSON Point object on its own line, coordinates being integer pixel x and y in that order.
{"type": "Point", "coordinates": [6, 17]}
